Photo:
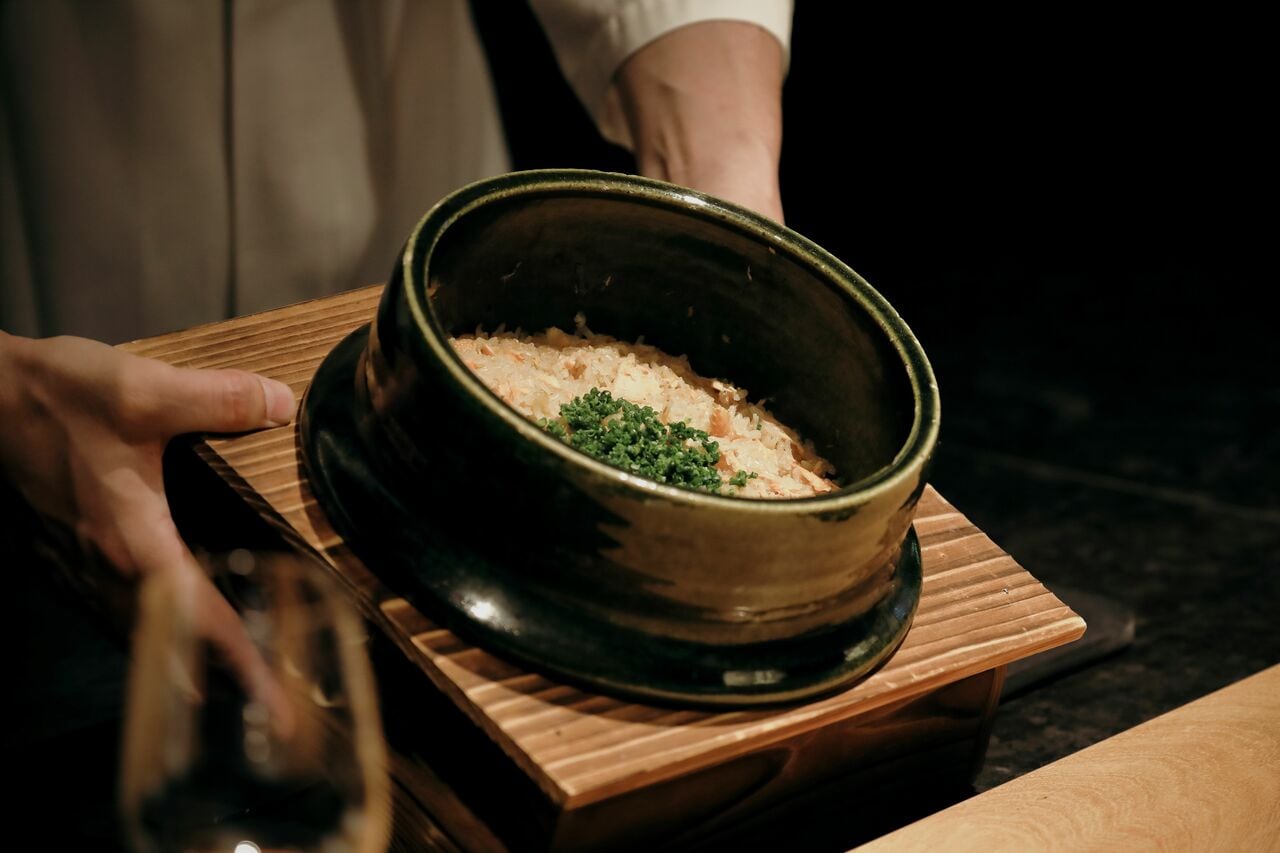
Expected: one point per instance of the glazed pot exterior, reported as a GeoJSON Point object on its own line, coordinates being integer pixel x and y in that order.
{"type": "Point", "coordinates": [749, 302]}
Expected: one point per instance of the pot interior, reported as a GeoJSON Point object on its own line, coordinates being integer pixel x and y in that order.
{"type": "Point", "coordinates": [757, 316]}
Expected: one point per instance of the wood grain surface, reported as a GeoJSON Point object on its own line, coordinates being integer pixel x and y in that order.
{"type": "Point", "coordinates": [979, 608]}
{"type": "Point", "coordinates": [1203, 777]}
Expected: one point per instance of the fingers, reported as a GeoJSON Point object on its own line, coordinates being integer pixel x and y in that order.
{"type": "Point", "coordinates": [216, 622]}
{"type": "Point", "coordinates": [159, 555]}
{"type": "Point", "coordinates": [96, 422]}
{"type": "Point", "coordinates": [219, 401]}
{"type": "Point", "coordinates": [210, 618]}
{"type": "Point", "coordinates": [146, 399]}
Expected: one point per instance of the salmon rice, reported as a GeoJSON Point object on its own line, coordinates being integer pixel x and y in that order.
{"type": "Point", "coordinates": [537, 374]}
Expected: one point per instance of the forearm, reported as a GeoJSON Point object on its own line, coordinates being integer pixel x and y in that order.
{"type": "Point", "coordinates": [704, 107]}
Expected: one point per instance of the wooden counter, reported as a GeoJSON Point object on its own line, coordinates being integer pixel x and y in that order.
{"type": "Point", "coordinates": [1205, 776]}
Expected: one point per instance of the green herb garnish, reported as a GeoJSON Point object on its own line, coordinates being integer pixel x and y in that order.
{"type": "Point", "coordinates": [554, 427]}
{"type": "Point", "coordinates": [632, 438]}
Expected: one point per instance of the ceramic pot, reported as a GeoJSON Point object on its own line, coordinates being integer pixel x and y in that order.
{"type": "Point", "coordinates": [533, 549]}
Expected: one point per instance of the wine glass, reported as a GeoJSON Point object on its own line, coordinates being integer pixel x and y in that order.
{"type": "Point", "coordinates": [251, 720]}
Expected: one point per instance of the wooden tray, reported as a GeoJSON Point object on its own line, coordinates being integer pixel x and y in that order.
{"type": "Point", "coordinates": [979, 609]}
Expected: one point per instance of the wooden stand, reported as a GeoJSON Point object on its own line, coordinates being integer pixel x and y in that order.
{"type": "Point", "coordinates": [577, 769]}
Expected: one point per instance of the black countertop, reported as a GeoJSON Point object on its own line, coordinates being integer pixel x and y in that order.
{"type": "Point", "coordinates": [1069, 220]}
{"type": "Point", "coordinates": [1139, 462]}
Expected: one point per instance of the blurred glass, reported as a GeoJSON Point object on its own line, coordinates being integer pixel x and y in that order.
{"type": "Point", "coordinates": [254, 727]}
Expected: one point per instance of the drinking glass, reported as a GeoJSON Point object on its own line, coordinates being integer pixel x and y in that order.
{"type": "Point", "coordinates": [252, 720]}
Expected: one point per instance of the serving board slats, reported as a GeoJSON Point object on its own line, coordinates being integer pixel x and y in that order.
{"type": "Point", "coordinates": [979, 608]}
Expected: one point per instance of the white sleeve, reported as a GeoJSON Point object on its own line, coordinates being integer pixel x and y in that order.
{"type": "Point", "coordinates": [592, 38]}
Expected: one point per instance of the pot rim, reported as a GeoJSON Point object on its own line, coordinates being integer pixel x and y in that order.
{"type": "Point", "coordinates": [910, 458]}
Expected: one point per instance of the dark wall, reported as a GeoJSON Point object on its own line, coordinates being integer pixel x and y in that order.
{"type": "Point", "coordinates": [967, 162]}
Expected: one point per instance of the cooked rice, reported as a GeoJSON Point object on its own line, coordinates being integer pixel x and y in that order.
{"type": "Point", "coordinates": [537, 374]}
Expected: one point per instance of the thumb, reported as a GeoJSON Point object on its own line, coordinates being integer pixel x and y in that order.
{"type": "Point", "coordinates": [222, 401]}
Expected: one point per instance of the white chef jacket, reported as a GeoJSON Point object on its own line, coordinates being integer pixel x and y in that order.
{"type": "Point", "coordinates": [164, 164]}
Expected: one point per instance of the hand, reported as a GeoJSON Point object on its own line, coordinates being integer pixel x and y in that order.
{"type": "Point", "coordinates": [85, 427]}
{"type": "Point", "coordinates": [704, 106]}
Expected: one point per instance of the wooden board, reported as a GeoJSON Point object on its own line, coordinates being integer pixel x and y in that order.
{"type": "Point", "coordinates": [1203, 777]}
{"type": "Point", "coordinates": [979, 609]}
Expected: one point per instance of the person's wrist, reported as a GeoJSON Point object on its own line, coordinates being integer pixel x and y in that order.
{"type": "Point", "coordinates": [689, 163]}
{"type": "Point", "coordinates": [743, 171]}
